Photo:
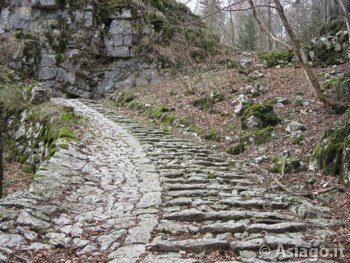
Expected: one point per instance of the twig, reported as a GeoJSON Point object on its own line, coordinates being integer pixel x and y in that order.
{"type": "Point", "coordinates": [282, 186]}
{"type": "Point", "coordinates": [23, 258]}
{"type": "Point", "coordinates": [319, 192]}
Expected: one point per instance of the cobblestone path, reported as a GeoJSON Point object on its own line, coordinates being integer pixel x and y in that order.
{"type": "Point", "coordinates": [128, 193]}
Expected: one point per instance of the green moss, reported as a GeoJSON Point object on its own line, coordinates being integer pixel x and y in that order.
{"type": "Point", "coordinates": [212, 134]}
{"type": "Point", "coordinates": [23, 158]}
{"type": "Point", "coordinates": [235, 149]}
{"type": "Point", "coordinates": [257, 136]}
{"type": "Point", "coordinates": [231, 127]}
{"type": "Point", "coordinates": [332, 27]}
{"type": "Point", "coordinates": [299, 139]}
{"type": "Point", "coordinates": [274, 58]}
{"type": "Point", "coordinates": [291, 165]}
{"type": "Point", "coordinates": [207, 102]}
{"type": "Point", "coordinates": [28, 169]}
{"type": "Point", "coordinates": [63, 146]}
{"type": "Point", "coordinates": [158, 111]}
{"type": "Point", "coordinates": [347, 114]}
{"type": "Point", "coordinates": [329, 152]}
{"type": "Point", "coordinates": [124, 98]}
{"type": "Point", "coordinates": [28, 90]}
{"type": "Point", "coordinates": [262, 111]}
{"type": "Point", "coordinates": [299, 102]}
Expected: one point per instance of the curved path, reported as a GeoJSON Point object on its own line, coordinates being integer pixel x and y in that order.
{"type": "Point", "coordinates": [128, 193]}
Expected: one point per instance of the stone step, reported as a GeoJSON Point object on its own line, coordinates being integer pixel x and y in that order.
{"type": "Point", "coordinates": [255, 203]}
{"type": "Point", "coordinates": [189, 245]}
{"type": "Point", "coordinates": [169, 258]}
{"type": "Point", "coordinates": [189, 193]}
{"type": "Point", "coordinates": [196, 215]}
{"type": "Point", "coordinates": [277, 228]}
{"type": "Point", "coordinates": [227, 227]}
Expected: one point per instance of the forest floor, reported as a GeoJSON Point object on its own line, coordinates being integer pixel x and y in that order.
{"type": "Point", "coordinates": [303, 106]}
{"type": "Point", "coordinates": [284, 84]}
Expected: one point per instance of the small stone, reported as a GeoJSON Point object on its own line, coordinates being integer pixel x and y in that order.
{"type": "Point", "coordinates": [87, 250]}
{"type": "Point", "coordinates": [283, 101]}
{"type": "Point", "coordinates": [58, 239]}
{"type": "Point", "coordinates": [256, 74]}
{"type": "Point", "coordinates": [295, 126]}
{"type": "Point", "coordinates": [239, 109]}
{"type": "Point", "coordinates": [72, 230]}
{"type": "Point", "coordinates": [10, 240]}
{"type": "Point", "coordinates": [39, 95]}
{"type": "Point", "coordinates": [254, 122]}
{"type": "Point", "coordinates": [38, 246]}
{"type": "Point", "coordinates": [260, 159]}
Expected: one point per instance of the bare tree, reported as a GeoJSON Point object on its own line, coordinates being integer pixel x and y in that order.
{"type": "Point", "coordinates": [1, 149]}
{"type": "Point", "coordinates": [300, 55]}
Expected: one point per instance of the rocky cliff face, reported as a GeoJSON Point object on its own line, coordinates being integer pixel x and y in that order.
{"type": "Point", "coordinates": [84, 48]}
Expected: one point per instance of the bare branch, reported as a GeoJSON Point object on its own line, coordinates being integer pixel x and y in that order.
{"type": "Point", "coordinates": [264, 28]}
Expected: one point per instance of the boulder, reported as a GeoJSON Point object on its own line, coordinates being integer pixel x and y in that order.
{"type": "Point", "coordinates": [294, 126]}
{"type": "Point", "coordinates": [259, 116]}
{"type": "Point", "coordinates": [332, 154]}
{"type": "Point", "coordinates": [39, 95]}
{"type": "Point", "coordinates": [256, 74]}
{"type": "Point", "coordinates": [246, 62]}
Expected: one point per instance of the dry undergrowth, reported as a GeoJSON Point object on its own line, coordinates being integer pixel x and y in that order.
{"type": "Point", "coordinates": [290, 83]}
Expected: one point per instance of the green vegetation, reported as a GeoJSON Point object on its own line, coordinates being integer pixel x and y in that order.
{"type": "Point", "coordinates": [162, 113]}
{"type": "Point", "coordinates": [235, 149]}
{"type": "Point", "coordinates": [257, 136]}
{"type": "Point", "coordinates": [332, 27]}
{"type": "Point", "coordinates": [58, 37]}
{"type": "Point", "coordinates": [212, 134]}
{"type": "Point", "coordinates": [207, 103]}
{"type": "Point", "coordinates": [339, 86]}
{"type": "Point", "coordinates": [289, 165]}
{"type": "Point", "coordinates": [329, 153]}
{"type": "Point", "coordinates": [47, 123]}
{"type": "Point", "coordinates": [299, 139]}
{"type": "Point", "coordinates": [274, 58]}
{"type": "Point", "coordinates": [123, 98]}
{"type": "Point", "coordinates": [299, 102]}
{"type": "Point", "coordinates": [262, 111]}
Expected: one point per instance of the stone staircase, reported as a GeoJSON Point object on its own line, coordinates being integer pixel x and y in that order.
{"type": "Point", "coordinates": [137, 194]}
{"type": "Point", "coordinates": [209, 204]}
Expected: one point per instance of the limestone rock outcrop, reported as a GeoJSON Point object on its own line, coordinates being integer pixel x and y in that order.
{"type": "Point", "coordinates": [86, 48]}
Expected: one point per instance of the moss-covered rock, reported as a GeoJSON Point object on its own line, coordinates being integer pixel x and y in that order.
{"type": "Point", "coordinates": [274, 58]}
{"type": "Point", "coordinates": [288, 165]}
{"type": "Point", "coordinates": [338, 87]}
{"type": "Point", "coordinates": [207, 102]}
{"type": "Point", "coordinates": [212, 134]}
{"type": "Point", "coordinates": [262, 112]}
{"type": "Point", "coordinates": [256, 136]}
{"type": "Point", "coordinates": [332, 154]}
{"type": "Point", "coordinates": [123, 98]}
{"type": "Point", "coordinates": [235, 149]}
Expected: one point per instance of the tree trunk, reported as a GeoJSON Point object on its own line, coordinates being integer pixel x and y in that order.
{"type": "Point", "coordinates": [1, 151]}
{"type": "Point", "coordinates": [263, 27]}
{"type": "Point", "coordinates": [300, 55]}
{"type": "Point", "coordinates": [269, 24]}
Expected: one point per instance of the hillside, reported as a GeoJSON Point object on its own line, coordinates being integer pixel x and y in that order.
{"type": "Point", "coordinates": [91, 48]}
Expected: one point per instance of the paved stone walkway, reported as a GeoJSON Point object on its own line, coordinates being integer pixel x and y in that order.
{"type": "Point", "coordinates": [135, 194]}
